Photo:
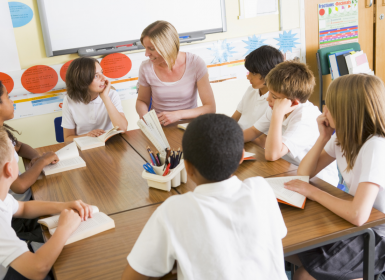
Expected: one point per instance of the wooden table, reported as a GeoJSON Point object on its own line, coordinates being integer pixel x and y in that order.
{"type": "Point", "coordinates": [112, 180]}
{"type": "Point", "coordinates": [104, 256]}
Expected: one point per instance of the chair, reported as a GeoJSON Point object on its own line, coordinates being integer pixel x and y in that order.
{"type": "Point", "coordinates": [58, 130]}
{"type": "Point", "coordinates": [323, 64]}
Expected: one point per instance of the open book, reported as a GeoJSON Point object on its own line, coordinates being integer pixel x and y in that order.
{"type": "Point", "coordinates": [154, 132]}
{"type": "Point", "coordinates": [183, 126]}
{"type": "Point", "coordinates": [98, 223]}
{"type": "Point", "coordinates": [287, 196]}
{"type": "Point", "coordinates": [68, 159]}
{"type": "Point", "coordinates": [249, 156]}
{"type": "Point", "coordinates": [87, 142]}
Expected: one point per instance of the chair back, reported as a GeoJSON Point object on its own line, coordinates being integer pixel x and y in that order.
{"type": "Point", "coordinates": [59, 130]}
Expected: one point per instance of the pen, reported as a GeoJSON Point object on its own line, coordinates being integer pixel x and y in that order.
{"type": "Point", "coordinates": [184, 37]}
{"type": "Point", "coordinates": [167, 169]}
{"type": "Point", "coordinates": [104, 49]}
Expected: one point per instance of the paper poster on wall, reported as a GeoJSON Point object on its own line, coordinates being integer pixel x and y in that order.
{"type": "Point", "coordinates": [39, 79]}
{"type": "Point", "coordinates": [21, 13]}
{"type": "Point", "coordinates": [39, 90]}
{"type": "Point", "coordinates": [116, 65]}
{"type": "Point", "coordinates": [63, 70]}
{"type": "Point", "coordinates": [338, 23]}
{"type": "Point", "coordinates": [7, 81]}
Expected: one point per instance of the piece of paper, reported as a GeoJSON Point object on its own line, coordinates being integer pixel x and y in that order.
{"type": "Point", "coordinates": [265, 7]}
{"type": "Point", "coordinates": [9, 57]}
{"type": "Point", "coordinates": [338, 23]}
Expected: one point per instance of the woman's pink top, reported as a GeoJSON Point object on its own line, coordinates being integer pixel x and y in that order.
{"type": "Point", "coordinates": [180, 95]}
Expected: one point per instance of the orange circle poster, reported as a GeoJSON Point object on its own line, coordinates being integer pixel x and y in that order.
{"type": "Point", "coordinates": [7, 81]}
{"type": "Point", "coordinates": [39, 79]}
{"type": "Point", "coordinates": [63, 70]}
{"type": "Point", "coordinates": [116, 65]}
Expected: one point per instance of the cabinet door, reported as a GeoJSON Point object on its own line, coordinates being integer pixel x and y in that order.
{"type": "Point", "coordinates": [365, 37]}
{"type": "Point", "coordinates": [379, 50]}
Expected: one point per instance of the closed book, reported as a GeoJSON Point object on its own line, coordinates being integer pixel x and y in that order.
{"type": "Point", "coordinates": [98, 223]}
{"type": "Point", "coordinates": [342, 66]}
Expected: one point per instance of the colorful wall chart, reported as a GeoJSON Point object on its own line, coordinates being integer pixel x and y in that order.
{"type": "Point", "coordinates": [338, 23]}
{"type": "Point", "coordinates": [40, 89]}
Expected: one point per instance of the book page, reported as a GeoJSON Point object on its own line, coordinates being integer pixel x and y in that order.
{"type": "Point", "coordinates": [90, 227]}
{"type": "Point", "coordinates": [52, 222]}
{"type": "Point", "coordinates": [113, 131]}
{"type": "Point", "coordinates": [69, 151]}
{"type": "Point", "coordinates": [64, 164]}
{"type": "Point", "coordinates": [87, 141]}
{"type": "Point", "coordinates": [247, 155]}
{"type": "Point", "coordinates": [277, 184]}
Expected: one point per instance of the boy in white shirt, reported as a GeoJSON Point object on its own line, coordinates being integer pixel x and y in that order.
{"type": "Point", "coordinates": [253, 104]}
{"type": "Point", "coordinates": [16, 261]}
{"type": "Point", "coordinates": [226, 228]}
{"type": "Point", "coordinates": [290, 122]}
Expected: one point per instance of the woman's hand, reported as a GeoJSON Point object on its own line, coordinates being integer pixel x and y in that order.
{"type": "Point", "coordinates": [325, 130]}
{"type": "Point", "coordinates": [95, 132]}
{"type": "Point", "coordinates": [301, 187]}
{"type": "Point", "coordinates": [166, 118]}
{"type": "Point", "coordinates": [106, 90]}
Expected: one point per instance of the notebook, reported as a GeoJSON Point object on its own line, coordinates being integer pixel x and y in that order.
{"type": "Point", "coordinates": [68, 159]}
{"type": "Point", "coordinates": [98, 223]}
{"type": "Point", "coordinates": [87, 142]}
{"type": "Point", "coordinates": [287, 196]}
{"type": "Point", "coordinates": [183, 126]}
{"type": "Point", "coordinates": [249, 156]}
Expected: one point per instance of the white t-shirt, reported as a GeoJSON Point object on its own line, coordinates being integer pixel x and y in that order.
{"type": "Point", "coordinates": [368, 167]}
{"type": "Point", "coordinates": [299, 134]}
{"type": "Point", "coordinates": [225, 230]}
{"type": "Point", "coordinates": [87, 117]}
{"type": "Point", "coordinates": [11, 247]}
{"type": "Point", "coordinates": [252, 107]}
{"type": "Point", "coordinates": [23, 196]}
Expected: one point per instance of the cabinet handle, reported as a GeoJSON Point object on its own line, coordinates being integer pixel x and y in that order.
{"type": "Point", "coordinates": [371, 3]}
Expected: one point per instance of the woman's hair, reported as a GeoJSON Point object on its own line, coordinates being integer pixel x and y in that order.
{"type": "Point", "coordinates": [165, 39]}
{"type": "Point", "coordinates": [7, 127]}
{"type": "Point", "coordinates": [80, 74]}
{"type": "Point", "coordinates": [357, 106]}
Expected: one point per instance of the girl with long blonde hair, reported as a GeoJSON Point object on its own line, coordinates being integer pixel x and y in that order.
{"type": "Point", "coordinates": [355, 110]}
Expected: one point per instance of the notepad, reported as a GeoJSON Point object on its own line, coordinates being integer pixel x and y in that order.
{"type": "Point", "coordinates": [68, 159]}
{"type": "Point", "coordinates": [98, 223]}
{"type": "Point", "coordinates": [88, 142]}
{"type": "Point", "coordinates": [287, 196]}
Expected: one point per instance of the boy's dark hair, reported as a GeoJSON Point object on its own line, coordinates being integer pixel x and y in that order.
{"type": "Point", "coordinates": [213, 144]}
{"type": "Point", "coordinates": [7, 127]}
{"type": "Point", "coordinates": [293, 79]}
{"type": "Point", "coordinates": [262, 60]}
{"type": "Point", "coordinates": [79, 76]}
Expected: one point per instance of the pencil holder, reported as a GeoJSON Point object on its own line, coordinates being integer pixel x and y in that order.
{"type": "Point", "coordinates": [176, 176]}
{"type": "Point", "coordinates": [159, 170]}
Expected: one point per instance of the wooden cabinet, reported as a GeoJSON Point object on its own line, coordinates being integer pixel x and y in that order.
{"type": "Point", "coordinates": [371, 36]}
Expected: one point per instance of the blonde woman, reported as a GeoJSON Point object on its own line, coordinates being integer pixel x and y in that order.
{"type": "Point", "coordinates": [171, 78]}
{"type": "Point", "coordinates": [356, 111]}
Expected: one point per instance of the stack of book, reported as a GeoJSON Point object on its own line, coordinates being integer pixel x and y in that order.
{"type": "Point", "coordinates": [348, 61]}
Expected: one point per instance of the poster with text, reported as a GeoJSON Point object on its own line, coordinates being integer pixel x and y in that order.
{"type": "Point", "coordinates": [338, 23]}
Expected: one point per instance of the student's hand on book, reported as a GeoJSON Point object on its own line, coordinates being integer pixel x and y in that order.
{"type": "Point", "coordinates": [49, 158]}
{"type": "Point", "coordinates": [301, 187]}
{"type": "Point", "coordinates": [95, 132]}
{"type": "Point", "coordinates": [325, 130]}
{"type": "Point", "coordinates": [32, 162]}
{"type": "Point", "coordinates": [283, 106]}
{"type": "Point", "coordinates": [106, 90]}
{"type": "Point", "coordinates": [166, 118]}
{"type": "Point", "coordinates": [69, 220]}
{"type": "Point", "coordinates": [84, 210]}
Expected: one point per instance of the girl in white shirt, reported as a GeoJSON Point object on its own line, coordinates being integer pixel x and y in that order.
{"type": "Point", "coordinates": [356, 111]}
{"type": "Point", "coordinates": [91, 107]}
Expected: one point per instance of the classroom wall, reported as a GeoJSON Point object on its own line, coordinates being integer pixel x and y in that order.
{"type": "Point", "coordinates": [39, 131]}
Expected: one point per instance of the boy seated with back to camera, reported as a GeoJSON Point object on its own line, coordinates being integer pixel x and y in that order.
{"type": "Point", "coordinates": [225, 228]}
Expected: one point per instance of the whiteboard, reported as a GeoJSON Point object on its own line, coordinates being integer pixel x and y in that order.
{"type": "Point", "coordinates": [72, 24]}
